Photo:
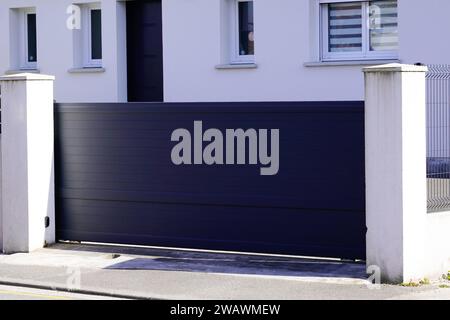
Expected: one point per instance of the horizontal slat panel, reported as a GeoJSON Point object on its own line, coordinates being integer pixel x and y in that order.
{"type": "Point", "coordinates": [218, 228]}
{"type": "Point", "coordinates": [111, 156]}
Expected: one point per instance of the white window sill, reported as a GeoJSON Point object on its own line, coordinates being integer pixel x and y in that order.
{"type": "Point", "coordinates": [349, 63]}
{"type": "Point", "coordinates": [237, 66]}
{"type": "Point", "coordinates": [87, 70]}
{"type": "Point", "coordinates": [22, 71]}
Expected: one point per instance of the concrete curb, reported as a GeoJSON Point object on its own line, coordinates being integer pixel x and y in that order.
{"type": "Point", "coordinates": [57, 287]}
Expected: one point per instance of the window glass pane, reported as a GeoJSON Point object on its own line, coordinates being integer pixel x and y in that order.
{"type": "Point", "coordinates": [345, 27]}
{"type": "Point", "coordinates": [96, 34]}
{"type": "Point", "coordinates": [246, 39]}
{"type": "Point", "coordinates": [383, 25]}
{"type": "Point", "coordinates": [31, 38]}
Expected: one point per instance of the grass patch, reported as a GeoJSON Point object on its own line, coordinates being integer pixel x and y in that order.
{"type": "Point", "coordinates": [444, 286]}
{"type": "Point", "coordinates": [410, 284]}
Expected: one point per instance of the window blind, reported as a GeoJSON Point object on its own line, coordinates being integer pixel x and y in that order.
{"type": "Point", "coordinates": [345, 27]}
{"type": "Point", "coordinates": [383, 25]}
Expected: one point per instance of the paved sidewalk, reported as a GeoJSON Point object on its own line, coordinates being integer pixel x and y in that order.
{"type": "Point", "coordinates": [170, 274]}
{"type": "Point", "coordinates": [23, 293]}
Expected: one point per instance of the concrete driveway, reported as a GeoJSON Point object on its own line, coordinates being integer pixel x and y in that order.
{"type": "Point", "coordinates": [152, 273]}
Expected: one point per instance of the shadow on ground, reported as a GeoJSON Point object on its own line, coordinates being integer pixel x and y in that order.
{"type": "Point", "coordinates": [226, 263]}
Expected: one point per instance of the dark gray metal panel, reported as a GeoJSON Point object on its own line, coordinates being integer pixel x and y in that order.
{"type": "Point", "coordinates": [116, 181]}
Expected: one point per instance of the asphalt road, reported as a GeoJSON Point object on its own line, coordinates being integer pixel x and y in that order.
{"type": "Point", "coordinates": [21, 293]}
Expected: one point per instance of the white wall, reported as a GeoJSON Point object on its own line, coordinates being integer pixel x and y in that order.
{"type": "Point", "coordinates": [437, 247]}
{"type": "Point", "coordinates": [55, 50]}
{"type": "Point", "coordinates": [286, 38]}
{"type": "Point", "coordinates": [193, 47]}
{"type": "Point", "coordinates": [423, 27]}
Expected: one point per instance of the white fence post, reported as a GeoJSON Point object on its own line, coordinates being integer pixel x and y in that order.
{"type": "Point", "coordinates": [396, 209]}
{"type": "Point", "coordinates": [27, 162]}
{"type": "Point", "coordinates": [1, 214]}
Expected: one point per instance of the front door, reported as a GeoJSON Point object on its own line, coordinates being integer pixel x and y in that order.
{"type": "Point", "coordinates": [145, 51]}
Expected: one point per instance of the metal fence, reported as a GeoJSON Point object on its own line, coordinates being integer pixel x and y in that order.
{"type": "Point", "coordinates": [438, 138]}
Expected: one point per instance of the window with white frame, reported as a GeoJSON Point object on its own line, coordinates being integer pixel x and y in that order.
{"type": "Point", "coordinates": [243, 40]}
{"type": "Point", "coordinates": [23, 39]}
{"type": "Point", "coordinates": [86, 35]}
{"type": "Point", "coordinates": [358, 30]}
{"type": "Point", "coordinates": [92, 27]}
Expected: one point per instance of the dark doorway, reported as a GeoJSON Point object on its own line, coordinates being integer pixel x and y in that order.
{"type": "Point", "coordinates": [145, 51]}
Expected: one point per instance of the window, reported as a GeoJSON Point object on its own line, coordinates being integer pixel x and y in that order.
{"type": "Point", "coordinates": [87, 37]}
{"type": "Point", "coordinates": [355, 30]}
{"type": "Point", "coordinates": [93, 36]}
{"type": "Point", "coordinates": [243, 48]}
{"type": "Point", "coordinates": [31, 40]}
{"type": "Point", "coordinates": [23, 39]}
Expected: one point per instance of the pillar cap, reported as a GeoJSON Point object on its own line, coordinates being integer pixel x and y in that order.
{"type": "Point", "coordinates": [27, 77]}
{"type": "Point", "coordinates": [396, 67]}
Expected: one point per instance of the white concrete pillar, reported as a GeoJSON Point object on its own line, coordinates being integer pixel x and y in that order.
{"type": "Point", "coordinates": [27, 162]}
{"type": "Point", "coordinates": [396, 209]}
{"type": "Point", "coordinates": [1, 215]}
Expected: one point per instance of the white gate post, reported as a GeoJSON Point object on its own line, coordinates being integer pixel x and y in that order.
{"type": "Point", "coordinates": [396, 197]}
{"type": "Point", "coordinates": [27, 162]}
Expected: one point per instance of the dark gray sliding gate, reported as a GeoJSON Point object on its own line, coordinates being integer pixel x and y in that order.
{"type": "Point", "coordinates": [116, 181]}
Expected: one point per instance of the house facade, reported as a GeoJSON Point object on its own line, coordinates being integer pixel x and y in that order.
{"type": "Point", "coordinates": [217, 50]}
{"type": "Point", "coordinates": [346, 178]}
